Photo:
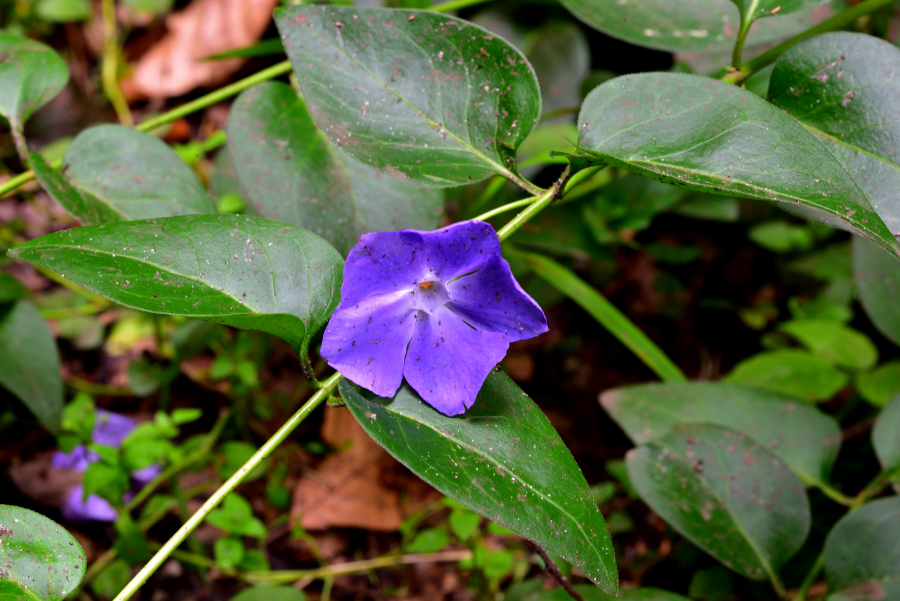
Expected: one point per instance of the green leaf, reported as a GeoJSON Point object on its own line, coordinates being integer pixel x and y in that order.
{"type": "Point", "coordinates": [790, 372]}
{"type": "Point", "coordinates": [879, 386]}
{"type": "Point", "coordinates": [63, 11]}
{"type": "Point", "coordinates": [10, 289]}
{"type": "Point", "coordinates": [31, 74]}
{"type": "Point", "coordinates": [604, 312]}
{"type": "Point", "coordinates": [877, 278]}
{"type": "Point", "coordinates": [862, 557]}
{"type": "Point", "coordinates": [292, 173]}
{"type": "Point", "coordinates": [254, 561]}
{"type": "Point", "coordinates": [416, 94]}
{"type": "Point", "coordinates": [503, 459]}
{"type": "Point", "coordinates": [804, 438]}
{"type": "Point", "coordinates": [782, 237]}
{"type": "Point", "coordinates": [840, 87]}
{"type": "Point", "coordinates": [886, 435]}
{"type": "Point", "coordinates": [725, 492]}
{"type": "Point", "coordinates": [428, 541]}
{"type": "Point", "coordinates": [236, 517]}
{"type": "Point", "coordinates": [41, 560]}
{"type": "Point", "coordinates": [234, 270]}
{"type": "Point", "coordinates": [590, 593]}
{"type": "Point", "coordinates": [229, 552]}
{"type": "Point", "coordinates": [840, 345]}
{"type": "Point", "coordinates": [114, 173]}
{"type": "Point", "coordinates": [235, 454]}
{"type": "Point", "coordinates": [711, 136]}
{"type": "Point", "coordinates": [270, 593]}
{"type": "Point", "coordinates": [131, 543]}
{"type": "Point", "coordinates": [108, 583]}
{"type": "Point", "coordinates": [107, 481]}
{"type": "Point", "coordinates": [689, 25]}
{"type": "Point", "coordinates": [464, 524]}
{"type": "Point", "coordinates": [29, 362]}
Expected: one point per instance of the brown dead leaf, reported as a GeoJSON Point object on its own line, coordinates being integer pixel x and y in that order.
{"type": "Point", "coordinates": [358, 487]}
{"type": "Point", "coordinates": [176, 64]}
{"type": "Point", "coordinates": [39, 481]}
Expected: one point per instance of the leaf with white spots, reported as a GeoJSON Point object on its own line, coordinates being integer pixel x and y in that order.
{"type": "Point", "coordinates": [230, 269]}
{"type": "Point", "coordinates": [725, 492]}
{"type": "Point", "coordinates": [501, 458]}
{"type": "Point", "coordinates": [39, 559]}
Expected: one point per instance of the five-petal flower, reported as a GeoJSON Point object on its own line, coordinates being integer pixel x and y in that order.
{"type": "Point", "coordinates": [438, 308]}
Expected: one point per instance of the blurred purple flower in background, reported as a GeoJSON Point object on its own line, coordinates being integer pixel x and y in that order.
{"type": "Point", "coordinates": [438, 308]}
{"type": "Point", "coordinates": [110, 429]}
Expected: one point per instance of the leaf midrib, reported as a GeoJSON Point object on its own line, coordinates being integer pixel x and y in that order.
{"type": "Point", "coordinates": [241, 302]}
{"type": "Point", "coordinates": [507, 469]}
{"type": "Point", "coordinates": [492, 164]}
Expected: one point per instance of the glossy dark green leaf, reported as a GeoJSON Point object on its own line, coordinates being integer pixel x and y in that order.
{"type": "Point", "coordinates": [877, 278]}
{"type": "Point", "coordinates": [503, 459]}
{"type": "Point", "coordinates": [558, 51]}
{"type": "Point", "coordinates": [862, 557]}
{"type": "Point", "coordinates": [725, 492]}
{"type": "Point", "coordinates": [29, 362]}
{"type": "Point", "coordinates": [805, 439]}
{"type": "Point", "coordinates": [40, 560]}
{"type": "Point", "coordinates": [687, 25]}
{"type": "Point", "coordinates": [114, 173]}
{"type": "Point", "coordinates": [292, 173]}
{"type": "Point", "coordinates": [793, 373]}
{"type": "Point", "coordinates": [842, 346]}
{"type": "Point", "coordinates": [415, 94]}
{"type": "Point", "coordinates": [711, 136]}
{"type": "Point", "coordinates": [31, 74]}
{"type": "Point", "coordinates": [842, 87]}
{"type": "Point", "coordinates": [230, 269]}
{"type": "Point", "coordinates": [886, 435]}
{"type": "Point", "coordinates": [592, 593]}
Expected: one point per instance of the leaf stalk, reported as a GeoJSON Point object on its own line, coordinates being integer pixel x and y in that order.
{"type": "Point", "coordinates": [195, 520]}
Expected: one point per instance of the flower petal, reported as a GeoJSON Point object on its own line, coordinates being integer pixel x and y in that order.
{"type": "Point", "coordinates": [448, 361]}
{"type": "Point", "coordinates": [492, 300]}
{"type": "Point", "coordinates": [366, 342]}
{"type": "Point", "coordinates": [76, 509]}
{"type": "Point", "coordinates": [111, 428]}
{"type": "Point", "coordinates": [381, 263]}
{"type": "Point", "coordinates": [457, 249]}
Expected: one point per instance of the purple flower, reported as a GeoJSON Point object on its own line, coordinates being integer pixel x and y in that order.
{"type": "Point", "coordinates": [438, 308]}
{"type": "Point", "coordinates": [110, 429]}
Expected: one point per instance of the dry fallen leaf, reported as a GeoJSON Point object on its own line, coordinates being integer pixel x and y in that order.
{"type": "Point", "coordinates": [358, 487]}
{"type": "Point", "coordinates": [176, 64]}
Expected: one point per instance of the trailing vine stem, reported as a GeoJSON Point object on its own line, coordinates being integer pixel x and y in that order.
{"type": "Point", "coordinates": [738, 74]}
{"type": "Point", "coordinates": [264, 451]}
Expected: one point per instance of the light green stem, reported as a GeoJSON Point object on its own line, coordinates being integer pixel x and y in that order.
{"type": "Point", "coordinates": [535, 206]}
{"type": "Point", "coordinates": [738, 75]}
{"type": "Point", "coordinates": [507, 207]}
{"type": "Point", "coordinates": [232, 483]}
{"type": "Point", "coordinates": [109, 68]}
{"type": "Point", "coordinates": [272, 72]}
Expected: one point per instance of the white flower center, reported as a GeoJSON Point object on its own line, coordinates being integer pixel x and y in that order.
{"type": "Point", "coordinates": [430, 295]}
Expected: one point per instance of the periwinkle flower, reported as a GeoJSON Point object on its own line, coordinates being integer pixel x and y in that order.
{"type": "Point", "coordinates": [438, 308]}
{"type": "Point", "coordinates": [110, 429]}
